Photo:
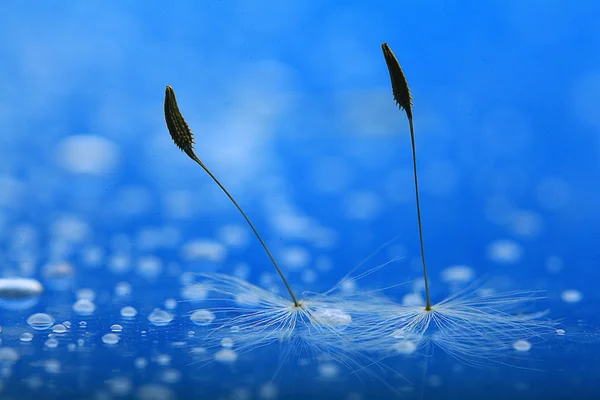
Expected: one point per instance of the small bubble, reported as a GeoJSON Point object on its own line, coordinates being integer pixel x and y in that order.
{"type": "Point", "coordinates": [26, 337]}
{"type": "Point", "coordinates": [116, 328]}
{"type": "Point", "coordinates": [194, 292]}
{"type": "Point", "coordinates": [163, 359]}
{"type": "Point", "coordinates": [202, 317]}
{"type": "Point", "coordinates": [268, 391]}
{"type": "Point", "coordinates": [149, 267]}
{"type": "Point", "coordinates": [8, 355]}
{"type": "Point", "coordinates": [457, 274]}
{"type": "Point", "coordinates": [328, 371]}
{"type": "Point", "coordinates": [522, 345]}
{"type": "Point", "coordinates": [120, 386]}
{"type": "Point", "coordinates": [51, 343]}
{"type": "Point", "coordinates": [405, 347]}
{"type": "Point", "coordinates": [204, 250]}
{"type": "Point", "coordinates": [226, 356]}
{"type": "Point", "coordinates": [128, 312]}
{"type": "Point", "coordinates": [59, 328]}
{"type": "Point", "coordinates": [40, 321]}
{"type": "Point", "coordinates": [153, 391]}
{"type": "Point", "coordinates": [87, 294]}
{"type": "Point", "coordinates": [52, 366]}
{"type": "Point", "coordinates": [84, 307]}
{"type": "Point", "coordinates": [110, 339]}
{"type": "Point", "coordinates": [295, 258]}
{"type": "Point", "coordinates": [171, 376]}
{"type": "Point", "coordinates": [227, 343]}
{"type": "Point", "coordinates": [123, 289]}
{"type": "Point", "coordinates": [560, 332]}
{"type": "Point", "coordinates": [504, 251]}
{"type": "Point", "coordinates": [160, 317]}
{"type": "Point", "coordinates": [140, 363]}
{"type": "Point", "coordinates": [332, 317]}
{"type": "Point", "coordinates": [58, 276]}
{"type": "Point", "coordinates": [170, 304]}
{"type": "Point", "coordinates": [571, 296]}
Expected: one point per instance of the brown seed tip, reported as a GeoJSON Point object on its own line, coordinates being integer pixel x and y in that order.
{"type": "Point", "coordinates": [178, 128]}
{"type": "Point", "coordinates": [399, 83]}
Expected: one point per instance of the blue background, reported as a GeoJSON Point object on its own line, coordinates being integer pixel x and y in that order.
{"type": "Point", "coordinates": [291, 107]}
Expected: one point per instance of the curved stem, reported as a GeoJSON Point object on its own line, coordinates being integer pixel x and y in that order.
{"type": "Point", "coordinates": [214, 178]}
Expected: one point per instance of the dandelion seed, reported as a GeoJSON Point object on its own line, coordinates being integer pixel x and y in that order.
{"type": "Point", "coordinates": [473, 327]}
{"type": "Point", "coordinates": [404, 101]}
{"type": "Point", "coordinates": [184, 139]}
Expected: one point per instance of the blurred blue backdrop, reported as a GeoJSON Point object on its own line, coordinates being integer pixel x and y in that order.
{"type": "Point", "coordinates": [292, 109]}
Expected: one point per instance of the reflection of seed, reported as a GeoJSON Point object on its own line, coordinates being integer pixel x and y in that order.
{"type": "Point", "coordinates": [19, 288]}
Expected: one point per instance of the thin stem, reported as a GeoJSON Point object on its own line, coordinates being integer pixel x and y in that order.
{"type": "Point", "coordinates": [414, 152]}
{"type": "Point", "coordinates": [264, 245]}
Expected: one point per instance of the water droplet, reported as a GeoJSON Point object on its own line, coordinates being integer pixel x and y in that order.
{"type": "Point", "coordinates": [522, 345]}
{"type": "Point", "coordinates": [58, 276]}
{"type": "Point", "coordinates": [26, 337]}
{"type": "Point", "coordinates": [8, 355]}
{"type": "Point", "coordinates": [163, 359]}
{"type": "Point", "coordinates": [52, 366]}
{"type": "Point", "coordinates": [110, 339]}
{"type": "Point", "coordinates": [457, 274]}
{"type": "Point", "coordinates": [19, 293]}
{"type": "Point", "coordinates": [84, 307]}
{"type": "Point", "coordinates": [202, 317]}
{"type": "Point", "coordinates": [123, 289]}
{"type": "Point", "coordinates": [40, 321]}
{"type": "Point", "coordinates": [170, 304]}
{"type": "Point", "coordinates": [328, 371]}
{"type": "Point", "coordinates": [194, 292]}
{"type": "Point", "coordinates": [59, 328]}
{"type": "Point", "coordinates": [116, 328]}
{"type": "Point", "coordinates": [571, 296]}
{"type": "Point", "coordinates": [160, 317]}
{"type": "Point", "coordinates": [140, 363]}
{"type": "Point", "coordinates": [226, 356]}
{"type": "Point", "coordinates": [171, 376]}
{"type": "Point", "coordinates": [227, 343]}
{"type": "Point", "coordinates": [51, 343]}
{"type": "Point", "coordinates": [332, 317]}
{"type": "Point", "coordinates": [87, 294]}
{"type": "Point", "coordinates": [560, 332]}
{"type": "Point", "coordinates": [504, 251]}
{"type": "Point", "coordinates": [128, 312]}
{"type": "Point", "coordinates": [405, 347]}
